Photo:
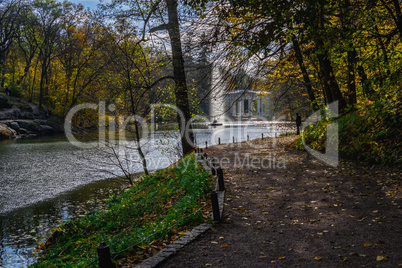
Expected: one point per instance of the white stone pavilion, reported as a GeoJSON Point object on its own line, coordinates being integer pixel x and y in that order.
{"type": "Point", "coordinates": [247, 104]}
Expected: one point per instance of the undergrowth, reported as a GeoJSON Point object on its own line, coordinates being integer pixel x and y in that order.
{"type": "Point", "coordinates": [149, 209]}
{"type": "Point", "coordinates": [370, 132]}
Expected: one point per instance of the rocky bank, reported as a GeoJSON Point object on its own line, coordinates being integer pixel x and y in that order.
{"type": "Point", "coordinates": [21, 119]}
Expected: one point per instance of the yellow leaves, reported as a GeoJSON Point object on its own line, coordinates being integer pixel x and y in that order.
{"type": "Point", "coordinates": [281, 257]}
{"type": "Point", "coordinates": [318, 258]}
{"type": "Point", "coordinates": [381, 258]}
{"type": "Point", "coordinates": [344, 259]}
{"type": "Point", "coordinates": [367, 245]}
{"type": "Point", "coordinates": [224, 246]}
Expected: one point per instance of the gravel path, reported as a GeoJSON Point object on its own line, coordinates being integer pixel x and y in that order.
{"type": "Point", "coordinates": [299, 212]}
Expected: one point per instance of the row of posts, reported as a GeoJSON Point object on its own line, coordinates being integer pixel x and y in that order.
{"type": "Point", "coordinates": [218, 172]}
{"type": "Point", "coordinates": [248, 139]}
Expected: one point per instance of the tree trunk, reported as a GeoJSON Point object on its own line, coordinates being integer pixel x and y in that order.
{"type": "Point", "coordinates": [306, 78]}
{"type": "Point", "coordinates": [331, 86]}
{"type": "Point", "coordinates": [364, 80]}
{"type": "Point", "coordinates": [325, 77]}
{"type": "Point", "coordinates": [351, 77]}
{"type": "Point", "coordinates": [179, 74]}
{"type": "Point", "coordinates": [398, 16]}
{"type": "Point", "coordinates": [41, 85]}
{"type": "Point", "coordinates": [139, 149]}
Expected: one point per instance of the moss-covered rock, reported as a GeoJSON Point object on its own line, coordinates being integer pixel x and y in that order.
{"type": "Point", "coordinates": [6, 132]}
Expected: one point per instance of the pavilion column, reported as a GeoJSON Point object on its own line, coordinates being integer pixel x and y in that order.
{"type": "Point", "coordinates": [259, 107]}
{"type": "Point", "coordinates": [240, 109]}
{"type": "Point", "coordinates": [231, 106]}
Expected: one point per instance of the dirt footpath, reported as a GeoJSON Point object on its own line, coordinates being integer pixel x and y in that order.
{"type": "Point", "coordinates": [289, 209]}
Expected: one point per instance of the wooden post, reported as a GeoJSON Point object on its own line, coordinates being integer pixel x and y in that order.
{"type": "Point", "coordinates": [221, 184]}
{"type": "Point", "coordinates": [105, 260]}
{"type": "Point", "coordinates": [233, 139]}
{"type": "Point", "coordinates": [213, 170]}
{"type": "Point", "coordinates": [219, 141]}
{"type": "Point", "coordinates": [215, 207]}
{"type": "Point", "coordinates": [262, 136]}
{"type": "Point", "coordinates": [248, 138]}
{"type": "Point", "coordinates": [206, 144]}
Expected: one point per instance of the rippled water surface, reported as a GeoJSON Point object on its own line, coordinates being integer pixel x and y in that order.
{"type": "Point", "coordinates": [48, 180]}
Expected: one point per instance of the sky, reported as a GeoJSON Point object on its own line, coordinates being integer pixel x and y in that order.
{"type": "Point", "coordinates": [87, 3]}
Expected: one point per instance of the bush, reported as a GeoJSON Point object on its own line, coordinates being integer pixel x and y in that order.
{"type": "Point", "coordinates": [370, 132]}
{"type": "Point", "coordinates": [15, 90]}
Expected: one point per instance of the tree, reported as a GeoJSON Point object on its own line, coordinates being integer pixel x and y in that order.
{"type": "Point", "coordinates": [10, 21]}
{"type": "Point", "coordinates": [159, 10]}
{"type": "Point", "coordinates": [49, 13]}
{"type": "Point", "coordinates": [365, 32]}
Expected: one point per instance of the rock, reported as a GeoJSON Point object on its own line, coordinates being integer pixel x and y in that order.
{"type": "Point", "coordinates": [6, 132]}
{"type": "Point", "coordinates": [14, 125]}
{"type": "Point", "coordinates": [47, 129]}
{"type": "Point", "coordinates": [23, 131]}
{"type": "Point", "coordinates": [29, 125]}
{"type": "Point", "coordinates": [12, 113]}
{"type": "Point", "coordinates": [4, 104]}
{"type": "Point", "coordinates": [26, 115]}
{"type": "Point", "coordinates": [41, 122]}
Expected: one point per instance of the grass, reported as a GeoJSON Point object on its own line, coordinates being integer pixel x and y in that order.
{"type": "Point", "coordinates": [156, 208]}
{"type": "Point", "coordinates": [287, 134]}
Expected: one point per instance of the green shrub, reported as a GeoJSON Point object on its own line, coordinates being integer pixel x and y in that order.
{"type": "Point", "coordinates": [371, 132]}
{"type": "Point", "coordinates": [15, 90]}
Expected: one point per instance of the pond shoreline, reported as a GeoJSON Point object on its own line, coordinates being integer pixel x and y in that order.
{"type": "Point", "coordinates": [24, 227]}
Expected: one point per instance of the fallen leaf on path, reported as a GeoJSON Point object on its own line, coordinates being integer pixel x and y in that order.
{"type": "Point", "coordinates": [382, 258]}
